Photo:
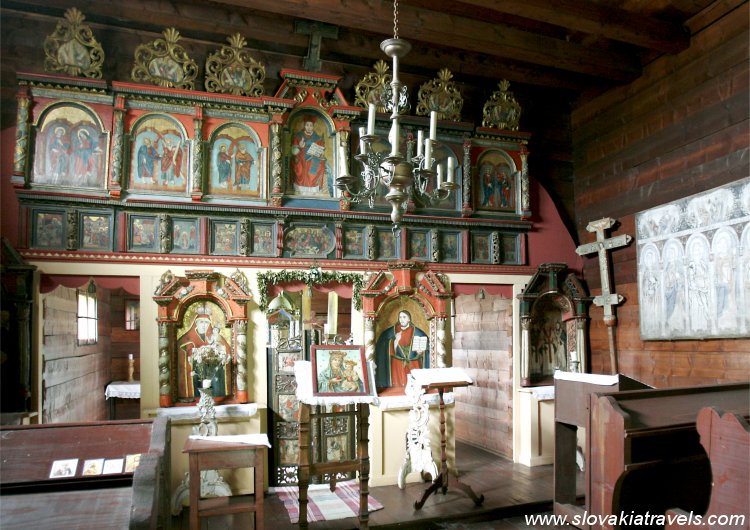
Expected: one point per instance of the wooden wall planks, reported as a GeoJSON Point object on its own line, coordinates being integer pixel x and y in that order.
{"type": "Point", "coordinates": [681, 129]}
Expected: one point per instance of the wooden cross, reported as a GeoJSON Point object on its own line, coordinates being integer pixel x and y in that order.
{"type": "Point", "coordinates": [317, 31]}
{"type": "Point", "coordinates": [607, 299]}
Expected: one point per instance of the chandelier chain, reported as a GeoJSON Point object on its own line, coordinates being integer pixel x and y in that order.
{"type": "Point", "coordinates": [395, 19]}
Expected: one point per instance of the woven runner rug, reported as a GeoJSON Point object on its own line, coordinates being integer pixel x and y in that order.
{"type": "Point", "coordinates": [324, 505]}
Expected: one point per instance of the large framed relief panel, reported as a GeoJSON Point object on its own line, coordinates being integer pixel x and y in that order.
{"type": "Point", "coordinates": [694, 266]}
{"type": "Point", "coordinates": [237, 163]}
{"type": "Point", "coordinates": [159, 156]}
{"type": "Point", "coordinates": [71, 148]}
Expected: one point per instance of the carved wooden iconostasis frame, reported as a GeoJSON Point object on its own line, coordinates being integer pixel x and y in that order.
{"type": "Point", "coordinates": [425, 295]}
{"type": "Point", "coordinates": [554, 325]}
{"type": "Point", "coordinates": [173, 171]}
{"type": "Point", "coordinates": [224, 300]}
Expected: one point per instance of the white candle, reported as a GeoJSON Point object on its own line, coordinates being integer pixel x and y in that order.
{"type": "Point", "coordinates": [433, 125]}
{"type": "Point", "coordinates": [427, 154]}
{"type": "Point", "coordinates": [362, 143]}
{"type": "Point", "coordinates": [420, 142]}
{"type": "Point", "coordinates": [130, 356]}
{"type": "Point", "coordinates": [333, 312]}
{"type": "Point", "coordinates": [440, 169]}
{"type": "Point", "coordinates": [451, 169]}
{"type": "Point", "coordinates": [371, 120]}
{"type": "Point", "coordinates": [344, 160]}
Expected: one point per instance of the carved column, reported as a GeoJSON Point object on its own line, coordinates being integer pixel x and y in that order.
{"type": "Point", "coordinates": [440, 353]}
{"type": "Point", "coordinates": [21, 153]}
{"type": "Point", "coordinates": [466, 209]}
{"type": "Point", "coordinates": [372, 243]}
{"type": "Point", "coordinates": [165, 233]}
{"type": "Point", "coordinates": [197, 169]}
{"type": "Point", "coordinates": [525, 197]}
{"type": "Point", "coordinates": [72, 231]}
{"type": "Point", "coordinates": [245, 238]}
{"type": "Point", "coordinates": [495, 249]}
{"type": "Point", "coordinates": [240, 333]}
{"type": "Point", "coordinates": [581, 330]}
{"type": "Point", "coordinates": [115, 185]}
{"type": "Point", "coordinates": [525, 353]}
{"type": "Point", "coordinates": [278, 187]}
{"type": "Point", "coordinates": [165, 376]}
{"type": "Point", "coordinates": [370, 337]}
{"type": "Point", "coordinates": [435, 245]}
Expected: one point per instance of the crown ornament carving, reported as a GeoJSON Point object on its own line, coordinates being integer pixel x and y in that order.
{"type": "Point", "coordinates": [502, 111]}
{"type": "Point", "coordinates": [72, 49]}
{"type": "Point", "coordinates": [232, 70]}
{"type": "Point", "coordinates": [441, 95]}
{"type": "Point", "coordinates": [165, 63]}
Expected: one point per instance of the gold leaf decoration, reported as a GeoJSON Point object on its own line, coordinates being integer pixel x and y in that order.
{"type": "Point", "coordinates": [72, 48]}
{"type": "Point", "coordinates": [373, 87]}
{"type": "Point", "coordinates": [165, 63]}
{"type": "Point", "coordinates": [502, 111]}
{"type": "Point", "coordinates": [441, 95]}
{"type": "Point", "coordinates": [232, 70]}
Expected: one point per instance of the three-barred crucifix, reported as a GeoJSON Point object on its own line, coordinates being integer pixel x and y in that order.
{"type": "Point", "coordinates": [607, 299]}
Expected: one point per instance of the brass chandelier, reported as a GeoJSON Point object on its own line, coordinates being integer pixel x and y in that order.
{"type": "Point", "coordinates": [406, 177]}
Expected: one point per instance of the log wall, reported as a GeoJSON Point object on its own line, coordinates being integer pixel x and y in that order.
{"type": "Point", "coordinates": [679, 130]}
{"type": "Point", "coordinates": [483, 347]}
{"type": "Point", "coordinates": [73, 377]}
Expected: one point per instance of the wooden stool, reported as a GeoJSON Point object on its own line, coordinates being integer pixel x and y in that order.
{"type": "Point", "coordinates": [208, 454]}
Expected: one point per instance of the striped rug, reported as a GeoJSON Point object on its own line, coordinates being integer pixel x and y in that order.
{"type": "Point", "coordinates": [324, 505]}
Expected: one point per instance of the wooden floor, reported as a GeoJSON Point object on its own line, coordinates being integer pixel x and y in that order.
{"type": "Point", "coordinates": [510, 491]}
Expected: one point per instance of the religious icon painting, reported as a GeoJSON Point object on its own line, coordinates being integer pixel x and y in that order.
{"type": "Point", "coordinates": [71, 148]}
{"type": "Point", "coordinates": [354, 242]}
{"type": "Point", "coordinates": [286, 360]}
{"type": "Point", "coordinates": [419, 244]}
{"type": "Point", "coordinates": [337, 448]}
{"type": "Point", "coordinates": [311, 155]}
{"type": "Point", "coordinates": [96, 231]}
{"type": "Point", "coordinates": [288, 407]}
{"type": "Point", "coordinates": [339, 370]}
{"type": "Point", "coordinates": [185, 236]}
{"type": "Point", "coordinates": [224, 237]}
{"type": "Point", "coordinates": [288, 452]}
{"type": "Point", "coordinates": [264, 237]}
{"type": "Point", "coordinates": [510, 249]}
{"type": "Point", "coordinates": [496, 176]}
{"type": "Point", "coordinates": [403, 342]}
{"type": "Point", "coordinates": [387, 244]}
{"type": "Point", "coordinates": [236, 166]}
{"type": "Point", "coordinates": [48, 229]}
{"type": "Point", "coordinates": [450, 247]}
{"type": "Point", "coordinates": [480, 248]}
{"type": "Point", "coordinates": [143, 233]}
{"type": "Point", "coordinates": [160, 158]}
{"type": "Point", "coordinates": [313, 241]}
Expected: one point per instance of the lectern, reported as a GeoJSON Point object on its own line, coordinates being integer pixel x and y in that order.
{"type": "Point", "coordinates": [443, 380]}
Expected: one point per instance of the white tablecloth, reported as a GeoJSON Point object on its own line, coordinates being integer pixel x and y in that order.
{"type": "Point", "coordinates": [123, 389]}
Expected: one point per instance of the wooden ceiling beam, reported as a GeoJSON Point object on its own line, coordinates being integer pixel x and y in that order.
{"type": "Point", "coordinates": [597, 19]}
{"type": "Point", "coordinates": [451, 31]}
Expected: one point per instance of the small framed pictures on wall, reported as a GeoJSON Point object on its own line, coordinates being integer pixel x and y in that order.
{"type": "Point", "coordinates": [450, 247]}
{"type": "Point", "coordinates": [481, 247]}
{"type": "Point", "coordinates": [185, 235]}
{"type": "Point", "coordinates": [264, 237]}
{"type": "Point", "coordinates": [95, 231]}
{"type": "Point", "coordinates": [224, 237]}
{"type": "Point", "coordinates": [419, 244]}
{"type": "Point", "coordinates": [388, 244]}
{"type": "Point", "coordinates": [354, 242]}
{"type": "Point", "coordinates": [48, 229]}
{"type": "Point", "coordinates": [143, 233]}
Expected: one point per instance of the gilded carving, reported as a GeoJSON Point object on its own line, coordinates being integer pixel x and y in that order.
{"type": "Point", "coordinates": [165, 233]}
{"type": "Point", "coordinates": [21, 153]}
{"type": "Point", "coordinates": [231, 70]}
{"type": "Point", "coordinates": [371, 88]}
{"type": "Point", "coordinates": [72, 48]}
{"type": "Point", "coordinates": [117, 147]}
{"type": "Point", "coordinates": [165, 63]}
{"type": "Point", "coordinates": [495, 248]}
{"type": "Point", "coordinates": [72, 231]}
{"type": "Point", "coordinates": [372, 243]}
{"type": "Point", "coordinates": [441, 95]}
{"type": "Point", "coordinates": [502, 111]}
{"type": "Point", "coordinates": [197, 189]}
{"type": "Point", "coordinates": [245, 237]}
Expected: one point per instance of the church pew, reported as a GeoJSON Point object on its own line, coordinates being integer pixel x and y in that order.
{"type": "Point", "coordinates": [645, 453]}
{"type": "Point", "coordinates": [726, 439]}
{"type": "Point", "coordinates": [137, 500]}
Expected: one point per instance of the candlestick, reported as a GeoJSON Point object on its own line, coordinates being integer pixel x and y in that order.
{"type": "Point", "coordinates": [420, 142]}
{"type": "Point", "coordinates": [362, 143]}
{"type": "Point", "coordinates": [131, 368]}
{"type": "Point", "coordinates": [333, 312]}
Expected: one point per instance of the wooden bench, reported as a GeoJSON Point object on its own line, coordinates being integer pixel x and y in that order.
{"type": "Point", "coordinates": [32, 498]}
{"type": "Point", "coordinates": [726, 439]}
{"type": "Point", "coordinates": [645, 454]}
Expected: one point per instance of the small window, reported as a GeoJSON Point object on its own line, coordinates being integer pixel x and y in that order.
{"type": "Point", "coordinates": [132, 314]}
{"type": "Point", "coordinates": [87, 316]}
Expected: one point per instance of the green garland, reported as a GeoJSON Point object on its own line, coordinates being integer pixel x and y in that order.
{"type": "Point", "coordinates": [314, 276]}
